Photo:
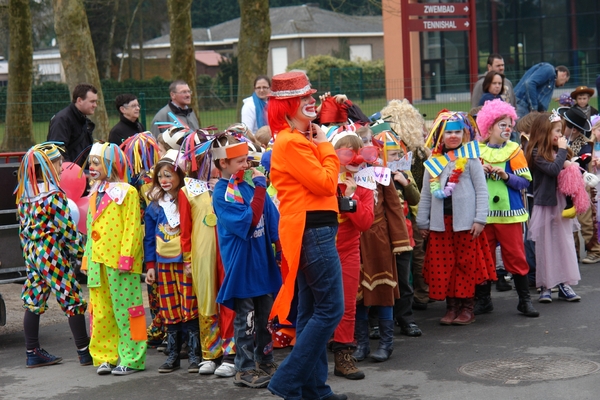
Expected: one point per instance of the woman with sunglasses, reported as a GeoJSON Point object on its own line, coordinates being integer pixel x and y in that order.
{"type": "Point", "coordinates": [507, 174]}
{"type": "Point", "coordinates": [254, 109]}
{"type": "Point", "coordinates": [352, 155]}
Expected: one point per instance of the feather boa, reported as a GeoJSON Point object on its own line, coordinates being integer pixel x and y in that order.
{"type": "Point", "coordinates": [570, 183]}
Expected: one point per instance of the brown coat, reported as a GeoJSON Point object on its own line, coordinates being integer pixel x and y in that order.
{"type": "Point", "coordinates": [387, 236]}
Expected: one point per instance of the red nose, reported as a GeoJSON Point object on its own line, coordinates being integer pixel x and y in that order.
{"type": "Point", "coordinates": [358, 159]}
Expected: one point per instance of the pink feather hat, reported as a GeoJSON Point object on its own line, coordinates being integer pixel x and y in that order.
{"type": "Point", "coordinates": [491, 112]}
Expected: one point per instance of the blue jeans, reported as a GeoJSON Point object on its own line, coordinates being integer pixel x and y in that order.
{"type": "Point", "coordinates": [303, 373]}
{"type": "Point", "coordinates": [250, 327]}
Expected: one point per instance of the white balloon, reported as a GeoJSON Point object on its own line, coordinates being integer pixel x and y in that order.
{"type": "Point", "coordinates": [74, 211]}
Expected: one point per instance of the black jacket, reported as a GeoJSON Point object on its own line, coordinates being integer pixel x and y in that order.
{"type": "Point", "coordinates": [123, 130]}
{"type": "Point", "coordinates": [74, 129]}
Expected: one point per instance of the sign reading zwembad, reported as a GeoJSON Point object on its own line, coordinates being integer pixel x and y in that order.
{"type": "Point", "coordinates": [446, 9]}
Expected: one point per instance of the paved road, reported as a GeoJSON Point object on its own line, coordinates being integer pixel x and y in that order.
{"type": "Point", "coordinates": [420, 368]}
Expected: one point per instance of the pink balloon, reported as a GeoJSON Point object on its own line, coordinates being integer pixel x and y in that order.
{"type": "Point", "coordinates": [71, 182]}
{"type": "Point", "coordinates": [83, 204]}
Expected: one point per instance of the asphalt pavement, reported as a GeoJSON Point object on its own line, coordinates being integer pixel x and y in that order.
{"type": "Point", "coordinates": [503, 355]}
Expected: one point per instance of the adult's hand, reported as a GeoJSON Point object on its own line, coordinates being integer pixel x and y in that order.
{"type": "Point", "coordinates": [318, 134]}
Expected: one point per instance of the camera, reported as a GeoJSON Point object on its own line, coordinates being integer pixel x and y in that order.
{"type": "Point", "coordinates": [346, 204]}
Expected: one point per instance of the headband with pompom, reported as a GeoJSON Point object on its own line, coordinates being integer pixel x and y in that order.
{"type": "Point", "coordinates": [491, 112]}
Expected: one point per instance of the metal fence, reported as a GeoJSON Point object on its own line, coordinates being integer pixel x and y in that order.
{"type": "Point", "coordinates": [217, 103]}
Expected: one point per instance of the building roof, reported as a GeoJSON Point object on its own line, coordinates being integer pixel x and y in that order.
{"type": "Point", "coordinates": [287, 22]}
{"type": "Point", "coordinates": [208, 57]}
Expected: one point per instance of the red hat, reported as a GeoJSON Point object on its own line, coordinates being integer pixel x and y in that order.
{"type": "Point", "coordinates": [289, 85]}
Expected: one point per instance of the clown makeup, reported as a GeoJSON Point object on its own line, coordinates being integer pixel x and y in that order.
{"type": "Point", "coordinates": [556, 132]}
{"type": "Point", "coordinates": [307, 107]}
{"type": "Point", "coordinates": [232, 166]}
{"type": "Point", "coordinates": [168, 180]}
{"type": "Point", "coordinates": [96, 166]}
{"type": "Point", "coordinates": [500, 131]}
{"type": "Point", "coordinates": [453, 139]}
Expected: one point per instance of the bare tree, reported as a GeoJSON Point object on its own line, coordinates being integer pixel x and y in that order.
{"type": "Point", "coordinates": [18, 133]}
{"type": "Point", "coordinates": [78, 56]}
{"type": "Point", "coordinates": [183, 57]}
{"type": "Point", "coordinates": [127, 43]}
{"type": "Point", "coordinates": [253, 45]}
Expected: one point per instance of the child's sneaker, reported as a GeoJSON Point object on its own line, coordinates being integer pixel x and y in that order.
{"type": "Point", "coordinates": [105, 368]}
{"type": "Point", "coordinates": [85, 358]}
{"type": "Point", "coordinates": [123, 370]}
{"type": "Point", "coordinates": [269, 367]}
{"type": "Point", "coordinates": [545, 295]}
{"type": "Point", "coordinates": [40, 358]}
{"type": "Point", "coordinates": [565, 292]}
{"type": "Point", "coordinates": [207, 367]}
{"type": "Point", "coordinates": [252, 378]}
{"type": "Point", "coordinates": [225, 370]}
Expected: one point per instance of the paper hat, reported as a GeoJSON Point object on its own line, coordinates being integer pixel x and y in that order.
{"type": "Point", "coordinates": [229, 151]}
{"type": "Point", "coordinates": [111, 156]}
{"type": "Point", "coordinates": [173, 135]}
{"type": "Point", "coordinates": [491, 112]}
{"type": "Point", "coordinates": [289, 85]}
{"type": "Point", "coordinates": [141, 151]}
{"type": "Point", "coordinates": [450, 120]}
{"type": "Point", "coordinates": [582, 90]}
{"type": "Point", "coordinates": [170, 157]}
{"type": "Point", "coordinates": [575, 117]}
{"type": "Point", "coordinates": [41, 155]}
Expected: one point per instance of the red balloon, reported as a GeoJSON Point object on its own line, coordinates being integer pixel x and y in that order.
{"type": "Point", "coordinates": [71, 182]}
{"type": "Point", "coordinates": [83, 204]}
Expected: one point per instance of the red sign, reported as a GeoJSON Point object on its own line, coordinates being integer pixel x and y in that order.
{"type": "Point", "coordinates": [445, 9]}
{"type": "Point", "coordinates": [446, 24]}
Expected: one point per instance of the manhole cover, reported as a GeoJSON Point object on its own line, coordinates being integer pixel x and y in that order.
{"type": "Point", "coordinates": [535, 368]}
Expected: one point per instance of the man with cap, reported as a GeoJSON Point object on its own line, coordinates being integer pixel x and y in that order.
{"type": "Point", "coordinates": [534, 90]}
{"type": "Point", "coordinates": [181, 99]}
{"type": "Point", "coordinates": [582, 96]}
{"type": "Point", "coordinates": [578, 126]}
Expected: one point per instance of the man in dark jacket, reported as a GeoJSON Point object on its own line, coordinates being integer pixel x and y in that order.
{"type": "Point", "coordinates": [71, 125]}
{"type": "Point", "coordinates": [129, 109]}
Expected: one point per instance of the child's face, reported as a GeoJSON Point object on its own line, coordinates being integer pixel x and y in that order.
{"type": "Point", "coordinates": [97, 169]}
{"type": "Point", "coordinates": [500, 131]}
{"type": "Point", "coordinates": [233, 165]}
{"type": "Point", "coordinates": [168, 180]}
{"type": "Point", "coordinates": [393, 155]}
{"type": "Point", "coordinates": [161, 150]}
{"type": "Point", "coordinates": [453, 139]}
{"type": "Point", "coordinates": [582, 99]}
{"type": "Point", "coordinates": [596, 132]}
{"type": "Point", "coordinates": [496, 85]}
{"type": "Point", "coordinates": [58, 166]}
{"type": "Point", "coordinates": [556, 132]}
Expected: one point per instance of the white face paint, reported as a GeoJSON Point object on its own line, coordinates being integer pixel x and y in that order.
{"type": "Point", "coordinates": [505, 135]}
{"type": "Point", "coordinates": [309, 110]}
{"type": "Point", "coordinates": [95, 175]}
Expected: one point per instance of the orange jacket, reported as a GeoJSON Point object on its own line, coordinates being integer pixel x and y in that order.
{"type": "Point", "coordinates": [305, 175]}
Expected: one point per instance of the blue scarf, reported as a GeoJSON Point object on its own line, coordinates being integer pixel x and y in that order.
{"type": "Point", "coordinates": [261, 113]}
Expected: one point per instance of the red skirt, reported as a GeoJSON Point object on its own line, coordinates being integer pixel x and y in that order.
{"type": "Point", "coordinates": [455, 263]}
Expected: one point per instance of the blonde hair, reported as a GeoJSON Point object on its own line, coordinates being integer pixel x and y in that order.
{"type": "Point", "coordinates": [263, 136]}
{"type": "Point", "coordinates": [406, 121]}
{"type": "Point", "coordinates": [351, 141]}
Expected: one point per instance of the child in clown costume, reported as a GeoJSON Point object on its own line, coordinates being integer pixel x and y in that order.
{"type": "Point", "coordinates": [452, 214]}
{"type": "Point", "coordinates": [198, 221]}
{"type": "Point", "coordinates": [164, 263]}
{"type": "Point", "coordinates": [141, 151]}
{"type": "Point", "coordinates": [49, 238]}
{"type": "Point", "coordinates": [506, 174]}
{"type": "Point", "coordinates": [349, 148]}
{"type": "Point", "coordinates": [113, 260]}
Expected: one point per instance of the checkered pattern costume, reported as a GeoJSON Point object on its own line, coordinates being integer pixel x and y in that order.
{"type": "Point", "coordinates": [50, 240]}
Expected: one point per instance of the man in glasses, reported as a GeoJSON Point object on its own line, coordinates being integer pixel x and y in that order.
{"type": "Point", "coordinates": [181, 98]}
{"type": "Point", "coordinates": [129, 124]}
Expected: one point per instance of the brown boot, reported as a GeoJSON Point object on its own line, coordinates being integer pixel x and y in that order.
{"type": "Point", "coordinates": [451, 311]}
{"type": "Point", "coordinates": [465, 315]}
{"type": "Point", "coordinates": [345, 365]}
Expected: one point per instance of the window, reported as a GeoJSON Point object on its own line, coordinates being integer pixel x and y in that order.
{"type": "Point", "coordinates": [279, 59]}
{"type": "Point", "coordinates": [360, 51]}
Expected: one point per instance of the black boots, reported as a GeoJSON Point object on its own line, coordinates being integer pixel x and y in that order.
{"type": "Point", "coordinates": [361, 334]}
{"type": "Point", "coordinates": [193, 330]}
{"type": "Point", "coordinates": [386, 342]}
{"type": "Point", "coordinates": [525, 306]}
{"type": "Point", "coordinates": [174, 347]}
{"type": "Point", "coordinates": [483, 299]}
